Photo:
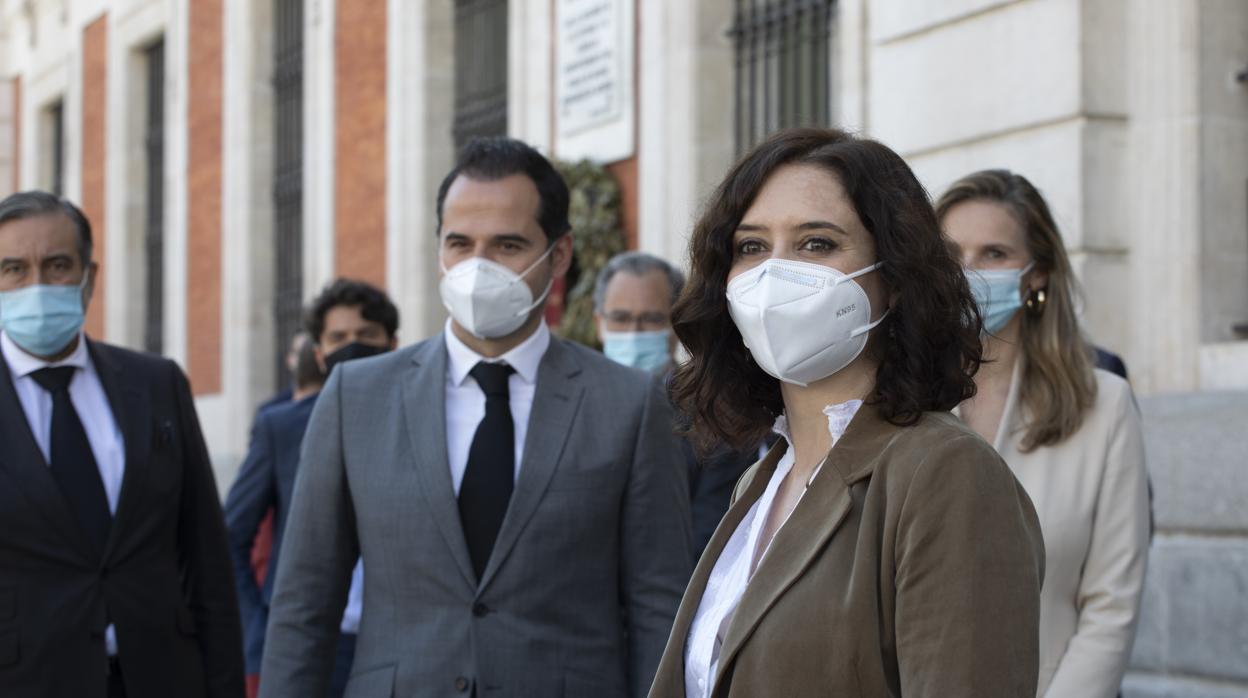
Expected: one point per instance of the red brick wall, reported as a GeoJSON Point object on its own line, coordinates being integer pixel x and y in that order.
{"type": "Point", "coordinates": [203, 267]}
{"type": "Point", "coordinates": [17, 133]}
{"type": "Point", "coordinates": [360, 140]}
{"type": "Point", "coordinates": [94, 110]}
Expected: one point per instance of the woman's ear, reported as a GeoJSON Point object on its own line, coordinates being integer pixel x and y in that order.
{"type": "Point", "coordinates": [1037, 280]}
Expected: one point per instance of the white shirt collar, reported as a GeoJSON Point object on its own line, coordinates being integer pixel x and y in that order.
{"type": "Point", "coordinates": [839, 416]}
{"type": "Point", "coordinates": [22, 364]}
{"type": "Point", "coordinates": [525, 357]}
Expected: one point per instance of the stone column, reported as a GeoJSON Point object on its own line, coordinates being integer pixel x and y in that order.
{"type": "Point", "coordinates": [419, 109]}
{"type": "Point", "coordinates": [685, 138]}
{"type": "Point", "coordinates": [1164, 206]}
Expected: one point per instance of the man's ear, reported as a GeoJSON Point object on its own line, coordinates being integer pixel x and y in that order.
{"type": "Point", "coordinates": [393, 343]}
{"type": "Point", "coordinates": [88, 290]}
{"type": "Point", "coordinates": [320, 360]}
{"type": "Point", "coordinates": [561, 255]}
{"type": "Point", "coordinates": [598, 326]}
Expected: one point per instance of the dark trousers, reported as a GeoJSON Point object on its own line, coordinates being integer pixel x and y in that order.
{"type": "Point", "coordinates": [116, 689]}
{"type": "Point", "coordinates": [342, 665]}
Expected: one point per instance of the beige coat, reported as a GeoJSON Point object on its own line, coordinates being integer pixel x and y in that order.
{"type": "Point", "coordinates": [910, 568]}
{"type": "Point", "coordinates": [1091, 494]}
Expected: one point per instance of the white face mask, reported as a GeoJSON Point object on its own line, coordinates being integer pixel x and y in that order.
{"type": "Point", "coordinates": [488, 299]}
{"type": "Point", "coordinates": [802, 322]}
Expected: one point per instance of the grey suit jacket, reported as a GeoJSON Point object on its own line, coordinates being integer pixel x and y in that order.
{"type": "Point", "coordinates": [585, 578]}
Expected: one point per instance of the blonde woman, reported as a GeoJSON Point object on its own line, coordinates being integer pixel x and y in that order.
{"type": "Point", "coordinates": [1070, 432]}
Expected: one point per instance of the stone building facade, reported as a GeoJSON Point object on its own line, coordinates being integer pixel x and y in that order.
{"type": "Point", "coordinates": [234, 155]}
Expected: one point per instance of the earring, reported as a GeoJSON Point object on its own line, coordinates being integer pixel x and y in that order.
{"type": "Point", "coordinates": [1035, 302]}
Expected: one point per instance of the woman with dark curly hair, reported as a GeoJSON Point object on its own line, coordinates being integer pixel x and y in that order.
{"type": "Point", "coordinates": [1069, 431]}
{"type": "Point", "coordinates": [881, 548]}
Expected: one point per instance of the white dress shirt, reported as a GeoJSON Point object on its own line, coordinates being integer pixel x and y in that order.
{"type": "Point", "coordinates": [732, 572]}
{"type": "Point", "coordinates": [355, 601]}
{"type": "Point", "coordinates": [90, 402]}
{"type": "Point", "coordinates": [465, 401]}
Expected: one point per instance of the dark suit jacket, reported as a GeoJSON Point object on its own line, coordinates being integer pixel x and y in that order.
{"type": "Point", "coordinates": [265, 481]}
{"type": "Point", "coordinates": [579, 593]}
{"type": "Point", "coordinates": [1109, 361]}
{"type": "Point", "coordinates": [911, 568]}
{"type": "Point", "coordinates": [278, 398]}
{"type": "Point", "coordinates": [711, 481]}
{"type": "Point", "coordinates": [164, 577]}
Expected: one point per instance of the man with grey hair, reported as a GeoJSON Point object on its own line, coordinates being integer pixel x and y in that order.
{"type": "Point", "coordinates": [114, 568]}
{"type": "Point", "coordinates": [633, 299]}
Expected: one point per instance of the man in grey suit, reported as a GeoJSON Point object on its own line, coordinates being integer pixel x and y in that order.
{"type": "Point", "coordinates": [519, 501]}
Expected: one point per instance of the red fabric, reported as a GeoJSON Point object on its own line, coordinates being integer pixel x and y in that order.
{"type": "Point", "coordinates": [262, 548]}
{"type": "Point", "coordinates": [261, 551]}
{"type": "Point", "coordinates": [555, 302]}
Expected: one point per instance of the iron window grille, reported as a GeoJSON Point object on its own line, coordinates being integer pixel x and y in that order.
{"type": "Point", "coordinates": [480, 70]}
{"type": "Point", "coordinates": [56, 119]}
{"type": "Point", "coordinates": [782, 66]}
{"type": "Point", "coordinates": [154, 219]}
{"type": "Point", "coordinates": [287, 178]}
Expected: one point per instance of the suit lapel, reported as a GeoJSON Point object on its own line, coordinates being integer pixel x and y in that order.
{"type": "Point", "coordinates": [424, 405]}
{"type": "Point", "coordinates": [817, 517]}
{"type": "Point", "coordinates": [555, 403]}
{"type": "Point", "coordinates": [133, 417]}
{"type": "Point", "coordinates": [671, 669]}
{"type": "Point", "coordinates": [22, 457]}
{"type": "Point", "coordinates": [1010, 430]}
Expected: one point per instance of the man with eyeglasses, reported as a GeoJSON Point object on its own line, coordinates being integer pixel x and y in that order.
{"type": "Point", "coordinates": [633, 299]}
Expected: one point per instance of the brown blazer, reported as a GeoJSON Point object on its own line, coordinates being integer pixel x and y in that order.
{"type": "Point", "coordinates": [911, 567]}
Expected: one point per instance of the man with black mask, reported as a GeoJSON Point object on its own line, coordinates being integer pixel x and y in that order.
{"type": "Point", "coordinates": [348, 320]}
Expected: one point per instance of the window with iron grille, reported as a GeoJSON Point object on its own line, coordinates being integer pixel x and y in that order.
{"type": "Point", "coordinates": [782, 66]}
{"type": "Point", "coordinates": [54, 155]}
{"type": "Point", "coordinates": [287, 177]}
{"type": "Point", "coordinates": [480, 69]}
{"type": "Point", "coordinates": [154, 223]}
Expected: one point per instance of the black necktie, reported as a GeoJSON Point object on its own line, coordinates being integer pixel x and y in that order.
{"type": "Point", "coordinates": [73, 463]}
{"type": "Point", "coordinates": [490, 475]}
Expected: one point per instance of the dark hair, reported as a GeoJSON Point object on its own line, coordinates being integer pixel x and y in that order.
{"type": "Point", "coordinates": [308, 371]}
{"type": "Point", "coordinates": [374, 305]}
{"type": "Point", "coordinates": [636, 264]}
{"type": "Point", "coordinates": [490, 159]}
{"type": "Point", "coordinates": [29, 204]}
{"type": "Point", "coordinates": [928, 345]}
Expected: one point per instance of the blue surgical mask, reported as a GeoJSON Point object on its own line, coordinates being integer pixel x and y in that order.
{"type": "Point", "coordinates": [998, 292]}
{"type": "Point", "coordinates": [43, 319]}
{"type": "Point", "coordinates": [645, 350]}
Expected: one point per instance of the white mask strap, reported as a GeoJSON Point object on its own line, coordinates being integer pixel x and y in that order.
{"type": "Point", "coordinates": [540, 299]}
{"type": "Point", "coordinates": [549, 249]}
{"type": "Point", "coordinates": [864, 270]}
{"type": "Point", "coordinates": [870, 326]}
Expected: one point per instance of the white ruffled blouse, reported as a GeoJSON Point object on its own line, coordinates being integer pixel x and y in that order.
{"type": "Point", "coordinates": [732, 573]}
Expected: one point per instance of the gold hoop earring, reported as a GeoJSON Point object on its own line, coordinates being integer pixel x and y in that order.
{"type": "Point", "coordinates": [1035, 302]}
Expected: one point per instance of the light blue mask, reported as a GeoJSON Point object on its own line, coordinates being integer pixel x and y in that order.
{"type": "Point", "coordinates": [998, 294]}
{"type": "Point", "coordinates": [645, 350]}
{"type": "Point", "coordinates": [42, 319]}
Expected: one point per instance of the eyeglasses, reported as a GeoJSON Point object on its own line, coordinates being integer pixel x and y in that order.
{"type": "Point", "coordinates": [622, 320]}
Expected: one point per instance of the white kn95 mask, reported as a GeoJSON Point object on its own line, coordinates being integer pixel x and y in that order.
{"type": "Point", "coordinates": [488, 299]}
{"type": "Point", "coordinates": [802, 322]}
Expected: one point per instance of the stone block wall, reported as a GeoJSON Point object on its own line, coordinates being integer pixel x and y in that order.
{"type": "Point", "coordinates": [1193, 634]}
